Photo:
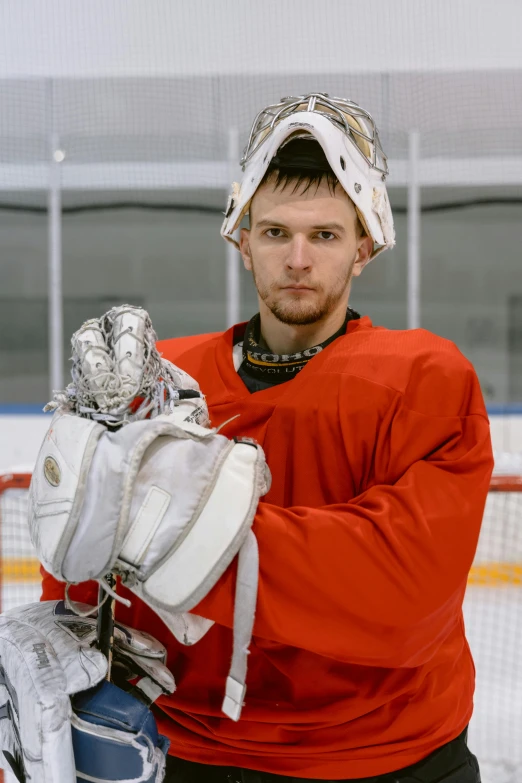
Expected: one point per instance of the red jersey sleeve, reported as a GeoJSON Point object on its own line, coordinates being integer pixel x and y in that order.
{"type": "Point", "coordinates": [54, 590]}
{"type": "Point", "coordinates": [379, 580]}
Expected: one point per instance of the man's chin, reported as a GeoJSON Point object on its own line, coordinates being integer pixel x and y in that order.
{"type": "Point", "coordinates": [297, 316]}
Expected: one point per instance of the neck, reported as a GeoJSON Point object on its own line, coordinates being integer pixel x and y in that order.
{"type": "Point", "coordinates": [283, 338]}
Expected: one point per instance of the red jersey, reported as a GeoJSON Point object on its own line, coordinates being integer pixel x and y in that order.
{"type": "Point", "coordinates": [380, 456]}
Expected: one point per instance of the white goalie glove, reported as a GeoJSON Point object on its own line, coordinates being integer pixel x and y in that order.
{"type": "Point", "coordinates": [59, 719]}
{"type": "Point", "coordinates": [164, 502]}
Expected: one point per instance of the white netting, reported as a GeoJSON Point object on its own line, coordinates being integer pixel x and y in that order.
{"type": "Point", "coordinates": [135, 116]}
{"type": "Point", "coordinates": [493, 615]}
{"type": "Point", "coordinates": [492, 611]}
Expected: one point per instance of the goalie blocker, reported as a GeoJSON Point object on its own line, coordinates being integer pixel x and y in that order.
{"type": "Point", "coordinates": [59, 719]}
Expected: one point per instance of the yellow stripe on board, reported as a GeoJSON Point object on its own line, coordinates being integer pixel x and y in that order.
{"type": "Point", "coordinates": [27, 569]}
{"type": "Point", "coordinates": [20, 569]}
{"type": "Point", "coordinates": [496, 574]}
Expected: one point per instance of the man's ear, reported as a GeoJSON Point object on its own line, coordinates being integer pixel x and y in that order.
{"type": "Point", "coordinates": [244, 248]}
{"type": "Point", "coordinates": [364, 253]}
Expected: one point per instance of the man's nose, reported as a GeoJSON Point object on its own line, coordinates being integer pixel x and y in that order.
{"type": "Point", "coordinates": [299, 256]}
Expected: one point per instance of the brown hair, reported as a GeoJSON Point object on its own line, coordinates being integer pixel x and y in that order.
{"type": "Point", "coordinates": [301, 162]}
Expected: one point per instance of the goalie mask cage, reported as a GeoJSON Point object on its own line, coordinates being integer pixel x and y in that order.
{"type": "Point", "coordinates": [492, 610]}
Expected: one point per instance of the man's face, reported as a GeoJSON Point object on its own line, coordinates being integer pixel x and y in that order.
{"type": "Point", "coordinates": [303, 249]}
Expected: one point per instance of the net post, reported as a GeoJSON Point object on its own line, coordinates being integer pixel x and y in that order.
{"type": "Point", "coordinates": [54, 211]}
{"type": "Point", "coordinates": [414, 217]}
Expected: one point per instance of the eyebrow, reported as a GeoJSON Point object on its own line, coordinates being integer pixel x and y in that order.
{"type": "Point", "coordinates": [322, 227]}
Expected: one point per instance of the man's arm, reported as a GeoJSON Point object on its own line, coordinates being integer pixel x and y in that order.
{"type": "Point", "coordinates": [378, 580]}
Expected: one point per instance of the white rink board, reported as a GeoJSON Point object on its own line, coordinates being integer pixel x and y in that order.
{"type": "Point", "coordinates": [21, 436]}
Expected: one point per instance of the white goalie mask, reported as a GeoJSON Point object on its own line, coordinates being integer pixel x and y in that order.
{"type": "Point", "coordinates": [349, 139]}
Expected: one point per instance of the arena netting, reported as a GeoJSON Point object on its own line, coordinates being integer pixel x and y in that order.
{"type": "Point", "coordinates": [492, 610]}
{"type": "Point", "coordinates": [121, 128]}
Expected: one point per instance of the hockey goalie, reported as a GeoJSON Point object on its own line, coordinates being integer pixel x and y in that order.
{"type": "Point", "coordinates": [302, 492]}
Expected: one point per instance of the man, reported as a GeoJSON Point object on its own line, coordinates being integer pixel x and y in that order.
{"type": "Point", "coordinates": [379, 449]}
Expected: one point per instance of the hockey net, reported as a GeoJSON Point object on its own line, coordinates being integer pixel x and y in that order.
{"type": "Point", "coordinates": [493, 609]}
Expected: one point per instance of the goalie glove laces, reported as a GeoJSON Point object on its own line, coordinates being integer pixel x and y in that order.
{"type": "Point", "coordinates": [118, 375]}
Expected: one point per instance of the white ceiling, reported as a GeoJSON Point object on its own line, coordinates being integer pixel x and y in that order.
{"type": "Point", "coordinates": [100, 38]}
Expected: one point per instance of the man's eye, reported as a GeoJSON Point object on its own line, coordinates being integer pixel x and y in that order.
{"type": "Point", "coordinates": [274, 233]}
{"type": "Point", "coordinates": [328, 235]}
